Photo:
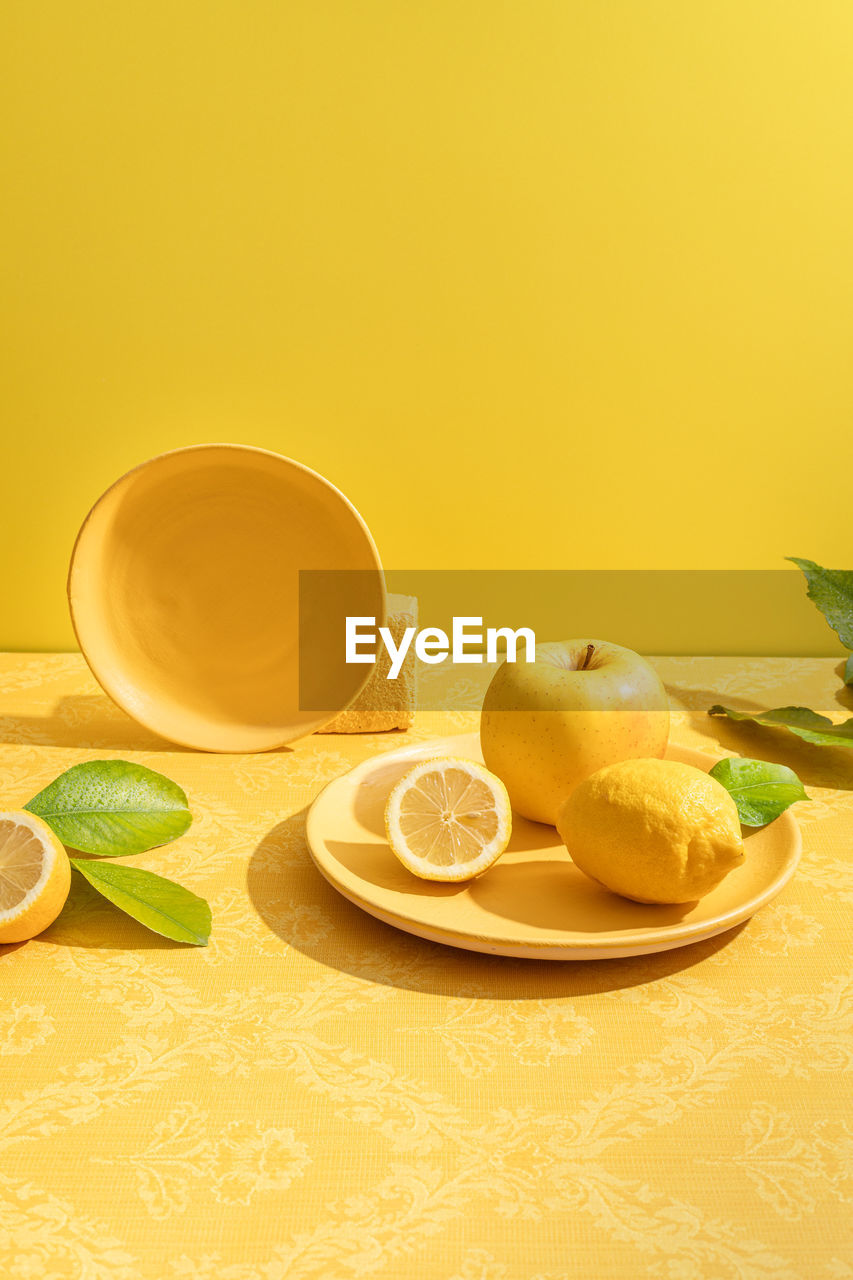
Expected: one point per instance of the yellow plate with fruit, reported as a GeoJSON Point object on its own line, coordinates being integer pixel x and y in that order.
{"type": "Point", "coordinates": [532, 901]}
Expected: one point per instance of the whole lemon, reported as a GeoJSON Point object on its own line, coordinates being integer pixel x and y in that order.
{"type": "Point", "coordinates": [652, 830]}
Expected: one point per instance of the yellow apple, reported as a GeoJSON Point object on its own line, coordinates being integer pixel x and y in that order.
{"type": "Point", "coordinates": [583, 704]}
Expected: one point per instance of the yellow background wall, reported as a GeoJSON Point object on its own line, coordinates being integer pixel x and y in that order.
{"type": "Point", "coordinates": [541, 285]}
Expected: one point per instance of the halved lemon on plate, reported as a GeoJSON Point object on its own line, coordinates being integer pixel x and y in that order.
{"type": "Point", "coordinates": [35, 876]}
{"type": "Point", "coordinates": [448, 819]}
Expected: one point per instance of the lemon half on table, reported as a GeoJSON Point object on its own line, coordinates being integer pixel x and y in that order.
{"type": "Point", "coordinates": [448, 819]}
{"type": "Point", "coordinates": [35, 876]}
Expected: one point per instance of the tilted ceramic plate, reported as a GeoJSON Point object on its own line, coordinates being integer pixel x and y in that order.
{"type": "Point", "coordinates": [533, 901]}
{"type": "Point", "coordinates": [184, 590]}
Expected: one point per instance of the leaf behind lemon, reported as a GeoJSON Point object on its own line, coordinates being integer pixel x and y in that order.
{"type": "Point", "coordinates": [806, 724]}
{"type": "Point", "coordinates": [160, 904]}
{"type": "Point", "coordinates": [832, 592]}
{"type": "Point", "coordinates": [761, 790]}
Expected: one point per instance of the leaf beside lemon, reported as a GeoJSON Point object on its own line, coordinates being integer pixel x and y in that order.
{"type": "Point", "coordinates": [448, 819]}
{"type": "Point", "coordinates": [160, 904]}
{"type": "Point", "coordinates": [35, 876]}
{"type": "Point", "coordinates": [760, 789]}
{"type": "Point", "coordinates": [653, 830]}
{"type": "Point", "coordinates": [113, 808]}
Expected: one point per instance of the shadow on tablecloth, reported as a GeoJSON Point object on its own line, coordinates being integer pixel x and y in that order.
{"type": "Point", "coordinates": [85, 720]}
{"type": "Point", "coordinates": [298, 905]}
{"type": "Point", "coordinates": [90, 722]}
{"type": "Point", "coordinates": [815, 766]}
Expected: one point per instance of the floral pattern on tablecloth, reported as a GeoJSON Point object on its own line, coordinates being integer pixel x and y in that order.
{"type": "Point", "coordinates": [316, 1095]}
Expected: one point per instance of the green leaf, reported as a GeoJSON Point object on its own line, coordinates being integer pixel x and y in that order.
{"type": "Point", "coordinates": [760, 790]}
{"type": "Point", "coordinates": [113, 808]}
{"type": "Point", "coordinates": [848, 670]}
{"type": "Point", "coordinates": [832, 592]}
{"type": "Point", "coordinates": [806, 724]}
{"type": "Point", "coordinates": [159, 904]}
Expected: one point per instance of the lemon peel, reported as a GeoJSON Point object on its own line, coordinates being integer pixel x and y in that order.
{"type": "Point", "coordinates": [35, 876]}
{"type": "Point", "coordinates": [652, 830]}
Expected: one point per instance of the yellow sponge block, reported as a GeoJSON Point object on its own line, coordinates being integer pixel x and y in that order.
{"type": "Point", "coordinates": [385, 704]}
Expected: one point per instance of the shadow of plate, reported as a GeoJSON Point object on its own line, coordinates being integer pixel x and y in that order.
{"type": "Point", "coordinates": [305, 911]}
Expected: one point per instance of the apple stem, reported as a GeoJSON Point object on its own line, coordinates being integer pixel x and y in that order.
{"type": "Point", "coordinates": [590, 650]}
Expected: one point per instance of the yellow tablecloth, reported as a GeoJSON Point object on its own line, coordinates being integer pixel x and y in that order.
{"type": "Point", "coordinates": [318, 1095]}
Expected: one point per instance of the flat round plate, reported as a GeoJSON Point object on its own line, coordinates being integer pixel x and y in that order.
{"type": "Point", "coordinates": [533, 902]}
{"type": "Point", "coordinates": [184, 590]}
